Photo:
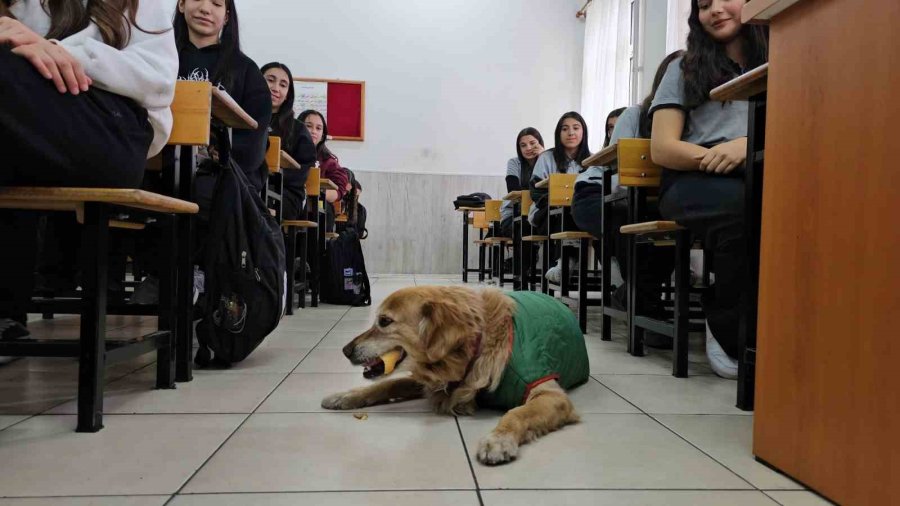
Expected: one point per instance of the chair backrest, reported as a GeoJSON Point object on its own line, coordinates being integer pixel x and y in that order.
{"type": "Point", "coordinates": [636, 167]}
{"type": "Point", "coordinates": [479, 220]}
{"type": "Point", "coordinates": [562, 189]}
{"type": "Point", "coordinates": [312, 181]}
{"type": "Point", "coordinates": [191, 110]}
{"type": "Point", "coordinates": [273, 155]}
{"type": "Point", "coordinates": [338, 207]}
{"type": "Point", "coordinates": [526, 202]}
{"type": "Point", "coordinates": [492, 210]}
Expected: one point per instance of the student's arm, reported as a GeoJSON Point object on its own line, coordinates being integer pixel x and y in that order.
{"type": "Point", "coordinates": [513, 170]}
{"type": "Point", "coordinates": [145, 70]}
{"type": "Point", "coordinates": [667, 148]}
{"type": "Point", "coordinates": [513, 184]}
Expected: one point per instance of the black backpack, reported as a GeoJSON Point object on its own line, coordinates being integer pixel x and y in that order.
{"type": "Point", "coordinates": [343, 276]}
{"type": "Point", "coordinates": [244, 263]}
{"type": "Point", "coordinates": [471, 200]}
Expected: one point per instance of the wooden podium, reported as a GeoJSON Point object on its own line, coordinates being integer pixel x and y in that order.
{"type": "Point", "coordinates": [827, 378]}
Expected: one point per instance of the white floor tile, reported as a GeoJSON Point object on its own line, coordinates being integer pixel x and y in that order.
{"type": "Point", "coordinates": [143, 500]}
{"type": "Point", "coordinates": [696, 395]}
{"type": "Point", "coordinates": [728, 439]}
{"type": "Point", "coordinates": [266, 358]}
{"type": "Point", "coordinates": [352, 326]}
{"type": "Point", "coordinates": [787, 498]}
{"type": "Point", "coordinates": [592, 397]}
{"type": "Point", "coordinates": [307, 325]}
{"type": "Point", "coordinates": [207, 393]}
{"type": "Point", "coordinates": [327, 360]}
{"type": "Point", "coordinates": [303, 393]}
{"type": "Point", "coordinates": [293, 339]}
{"type": "Point", "coordinates": [394, 498]}
{"type": "Point", "coordinates": [336, 451]}
{"type": "Point", "coordinates": [30, 393]}
{"type": "Point", "coordinates": [624, 498]}
{"type": "Point", "coordinates": [7, 420]}
{"type": "Point", "coordinates": [132, 455]}
{"type": "Point", "coordinates": [602, 451]}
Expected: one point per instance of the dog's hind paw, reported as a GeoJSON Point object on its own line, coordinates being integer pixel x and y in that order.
{"type": "Point", "coordinates": [342, 401]}
{"type": "Point", "coordinates": [497, 448]}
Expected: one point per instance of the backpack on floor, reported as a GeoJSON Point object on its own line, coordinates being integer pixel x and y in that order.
{"type": "Point", "coordinates": [343, 277]}
{"type": "Point", "coordinates": [244, 264]}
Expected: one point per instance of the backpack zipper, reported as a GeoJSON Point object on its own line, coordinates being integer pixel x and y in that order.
{"type": "Point", "coordinates": [243, 259]}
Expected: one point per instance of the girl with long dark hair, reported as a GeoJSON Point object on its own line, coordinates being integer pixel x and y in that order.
{"type": "Point", "coordinates": [570, 148]}
{"type": "Point", "coordinates": [295, 138]}
{"type": "Point", "coordinates": [209, 49]}
{"type": "Point", "coordinates": [529, 145]}
{"type": "Point", "coordinates": [328, 162]}
{"type": "Point", "coordinates": [86, 90]}
{"type": "Point", "coordinates": [703, 144]}
{"type": "Point", "coordinates": [587, 208]}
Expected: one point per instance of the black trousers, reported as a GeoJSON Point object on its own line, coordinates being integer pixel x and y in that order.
{"type": "Point", "coordinates": [657, 263]}
{"type": "Point", "coordinates": [712, 208]}
{"type": "Point", "coordinates": [95, 139]}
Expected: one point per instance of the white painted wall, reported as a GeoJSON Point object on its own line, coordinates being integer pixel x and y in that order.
{"type": "Point", "coordinates": [449, 83]}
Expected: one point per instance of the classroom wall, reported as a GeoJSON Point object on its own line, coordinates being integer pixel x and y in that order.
{"type": "Point", "coordinates": [413, 228]}
{"type": "Point", "coordinates": [448, 83]}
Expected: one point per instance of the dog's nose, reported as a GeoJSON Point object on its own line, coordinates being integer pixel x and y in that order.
{"type": "Point", "coordinates": [348, 350]}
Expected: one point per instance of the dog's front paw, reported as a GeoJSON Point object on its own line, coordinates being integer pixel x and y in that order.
{"type": "Point", "coordinates": [497, 448]}
{"type": "Point", "coordinates": [343, 400]}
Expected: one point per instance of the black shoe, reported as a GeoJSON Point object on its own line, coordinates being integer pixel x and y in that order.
{"type": "Point", "coordinates": [11, 329]}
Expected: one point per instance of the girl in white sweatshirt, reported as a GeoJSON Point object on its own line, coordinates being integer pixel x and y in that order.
{"type": "Point", "coordinates": [85, 91]}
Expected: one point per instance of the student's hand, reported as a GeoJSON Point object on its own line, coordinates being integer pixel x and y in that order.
{"type": "Point", "coordinates": [725, 157]}
{"type": "Point", "coordinates": [14, 33]}
{"type": "Point", "coordinates": [55, 63]}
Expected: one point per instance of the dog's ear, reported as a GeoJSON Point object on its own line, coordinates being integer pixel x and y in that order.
{"type": "Point", "coordinates": [447, 325]}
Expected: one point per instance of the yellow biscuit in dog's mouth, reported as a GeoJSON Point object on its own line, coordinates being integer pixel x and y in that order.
{"type": "Point", "coordinates": [383, 365]}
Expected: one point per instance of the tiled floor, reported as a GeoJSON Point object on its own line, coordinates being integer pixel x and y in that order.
{"type": "Point", "coordinates": [255, 434]}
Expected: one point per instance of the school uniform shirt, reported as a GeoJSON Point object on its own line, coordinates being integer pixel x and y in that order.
{"type": "Point", "coordinates": [545, 166]}
{"type": "Point", "coordinates": [331, 169]}
{"type": "Point", "coordinates": [248, 88]}
{"type": "Point", "coordinates": [144, 70]}
{"type": "Point", "coordinates": [706, 125]}
{"type": "Point", "coordinates": [513, 170]}
{"type": "Point", "coordinates": [628, 126]}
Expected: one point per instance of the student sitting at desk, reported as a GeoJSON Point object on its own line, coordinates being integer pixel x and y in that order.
{"type": "Point", "coordinates": [703, 145]}
{"type": "Point", "coordinates": [587, 206]}
{"type": "Point", "coordinates": [570, 148]}
{"type": "Point", "coordinates": [86, 94]}
{"type": "Point", "coordinates": [209, 49]}
{"type": "Point", "coordinates": [328, 162]}
{"type": "Point", "coordinates": [295, 138]}
{"type": "Point", "coordinates": [529, 145]}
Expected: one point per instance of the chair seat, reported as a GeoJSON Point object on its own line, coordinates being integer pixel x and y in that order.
{"type": "Point", "coordinates": [482, 241]}
{"type": "Point", "coordinates": [499, 240]}
{"type": "Point", "coordinates": [571, 235]}
{"type": "Point", "coordinates": [534, 238]}
{"type": "Point", "coordinates": [331, 235]}
{"type": "Point", "coordinates": [649, 227]}
{"type": "Point", "coordinates": [299, 224]}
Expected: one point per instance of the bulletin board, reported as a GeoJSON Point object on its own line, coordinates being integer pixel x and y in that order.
{"type": "Point", "coordinates": [343, 103]}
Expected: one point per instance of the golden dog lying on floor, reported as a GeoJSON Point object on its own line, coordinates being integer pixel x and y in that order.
{"type": "Point", "coordinates": [462, 347]}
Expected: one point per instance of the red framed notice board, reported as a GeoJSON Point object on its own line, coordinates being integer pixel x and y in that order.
{"type": "Point", "coordinates": [343, 103]}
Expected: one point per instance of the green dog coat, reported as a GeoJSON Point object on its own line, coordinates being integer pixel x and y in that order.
{"type": "Point", "coordinates": [546, 343]}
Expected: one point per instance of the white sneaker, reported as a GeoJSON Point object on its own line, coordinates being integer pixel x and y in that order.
{"type": "Point", "coordinates": [554, 274]}
{"type": "Point", "coordinates": [723, 365]}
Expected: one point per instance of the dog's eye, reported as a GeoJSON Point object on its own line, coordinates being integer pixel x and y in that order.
{"type": "Point", "coordinates": [384, 321]}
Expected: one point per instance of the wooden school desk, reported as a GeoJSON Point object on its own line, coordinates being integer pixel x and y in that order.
{"type": "Point", "coordinates": [827, 380]}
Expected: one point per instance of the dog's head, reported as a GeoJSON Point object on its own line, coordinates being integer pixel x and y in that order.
{"type": "Point", "coordinates": [434, 328]}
